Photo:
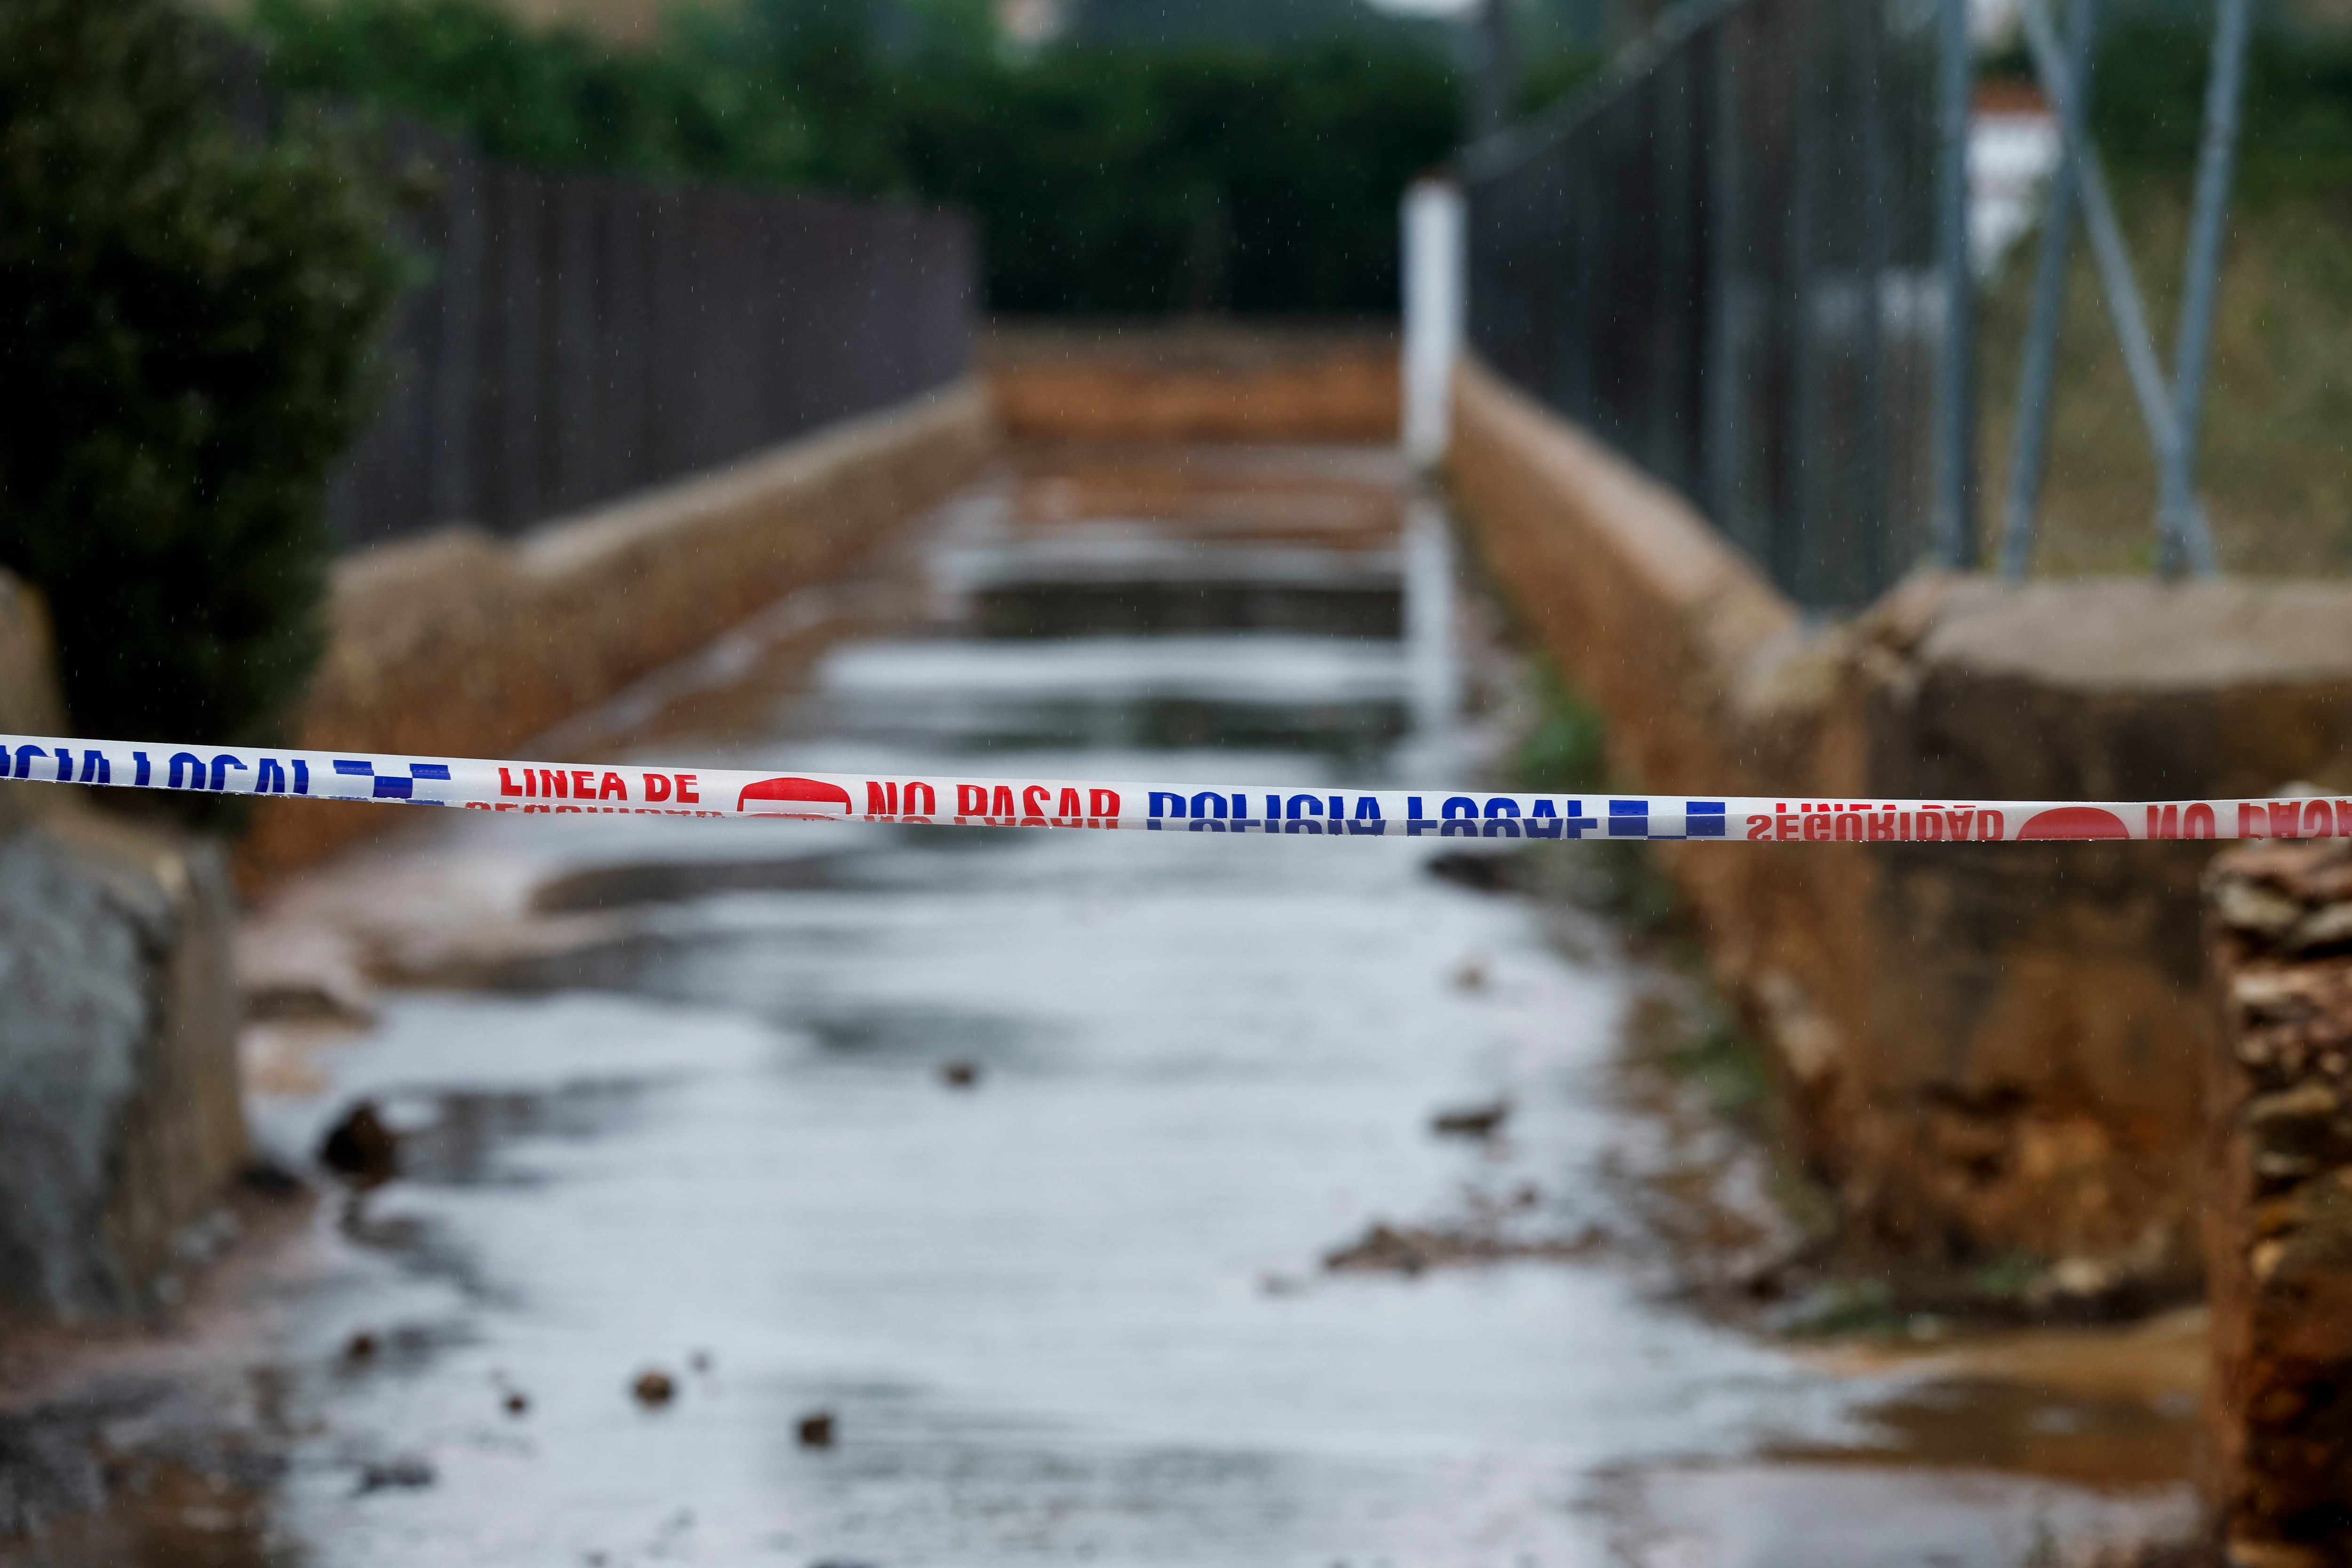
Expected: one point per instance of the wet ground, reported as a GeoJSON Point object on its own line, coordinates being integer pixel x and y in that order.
{"type": "Point", "coordinates": [971, 1196]}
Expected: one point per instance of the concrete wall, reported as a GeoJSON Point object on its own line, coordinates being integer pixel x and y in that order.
{"type": "Point", "coordinates": [1195, 382]}
{"type": "Point", "coordinates": [2279, 1223]}
{"type": "Point", "coordinates": [1990, 1051]}
{"type": "Point", "coordinates": [119, 1117]}
{"type": "Point", "coordinates": [457, 644]}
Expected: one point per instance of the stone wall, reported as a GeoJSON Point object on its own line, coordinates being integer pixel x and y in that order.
{"type": "Point", "coordinates": [2279, 1221]}
{"type": "Point", "coordinates": [1991, 1051]}
{"type": "Point", "coordinates": [1195, 382]}
{"type": "Point", "coordinates": [119, 1117]}
{"type": "Point", "coordinates": [457, 644]}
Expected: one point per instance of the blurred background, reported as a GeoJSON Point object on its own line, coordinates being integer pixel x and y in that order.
{"type": "Point", "coordinates": [1563, 395]}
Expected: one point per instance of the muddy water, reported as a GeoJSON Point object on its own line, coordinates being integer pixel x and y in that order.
{"type": "Point", "coordinates": [685, 1097]}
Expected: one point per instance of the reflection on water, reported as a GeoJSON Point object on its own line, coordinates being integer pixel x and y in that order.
{"type": "Point", "coordinates": [1065, 1302]}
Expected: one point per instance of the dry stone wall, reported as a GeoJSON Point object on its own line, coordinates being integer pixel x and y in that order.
{"type": "Point", "coordinates": [2279, 1225]}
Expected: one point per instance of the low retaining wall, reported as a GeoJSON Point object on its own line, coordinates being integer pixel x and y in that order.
{"type": "Point", "coordinates": [457, 644]}
{"type": "Point", "coordinates": [1990, 1051]}
{"type": "Point", "coordinates": [1195, 382]}
{"type": "Point", "coordinates": [2279, 1221]}
{"type": "Point", "coordinates": [119, 1118]}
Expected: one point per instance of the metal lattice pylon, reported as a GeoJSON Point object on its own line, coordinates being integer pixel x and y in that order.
{"type": "Point", "coordinates": [2172, 412]}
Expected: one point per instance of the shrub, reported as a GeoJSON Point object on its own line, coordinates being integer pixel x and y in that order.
{"type": "Point", "coordinates": [185, 316]}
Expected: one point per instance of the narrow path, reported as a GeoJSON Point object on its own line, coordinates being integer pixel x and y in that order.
{"type": "Point", "coordinates": [972, 1192]}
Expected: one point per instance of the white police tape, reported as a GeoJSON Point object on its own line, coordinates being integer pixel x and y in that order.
{"type": "Point", "coordinates": [1027, 802]}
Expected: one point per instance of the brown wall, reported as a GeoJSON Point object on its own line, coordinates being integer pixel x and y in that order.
{"type": "Point", "coordinates": [458, 645]}
{"type": "Point", "coordinates": [1990, 1049]}
{"type": "Point", "coordinates": [1195, 382]}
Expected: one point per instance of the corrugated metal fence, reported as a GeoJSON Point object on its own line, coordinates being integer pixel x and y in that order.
{"type": "Point", "coordinates": [580, 338]}
{"type": "Point", "coordinates": [1724, 263]}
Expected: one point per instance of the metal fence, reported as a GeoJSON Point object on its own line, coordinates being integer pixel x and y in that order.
{"type": "Point", "coordinates": [579, 338]}
{"type": "Point", "coordinates": [1725, 264]}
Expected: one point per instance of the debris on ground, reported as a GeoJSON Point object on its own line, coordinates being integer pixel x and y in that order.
{"type": "Point", "coordinates": [653, 1388]}
{"type": "Point", "coordinates": [1387, 1248]}
{"type": "Point", "coordinates": [517, 1403]}
{"type": "Point", "coordinates": [266, 1178]}
{"type": "Point", "coordinates": [362, 1147]}
{"type": "Point", "coordinates": [816, 1429]}
{"type": "Point", "coordinates": [1481, 873]}
{"type": "Point", "coordinates": [1472, 1120]}
{"type": "Point", "coordinates": [360, 1346]}
{"type": "Point", "coordinates": [699, 1362]}
{"type": "Point", "coordinates": [959, 1073]}
{"type": "Point", "coordinates": [406, 1473]}
{"type": "Point", "coordinates": [1472, 975]}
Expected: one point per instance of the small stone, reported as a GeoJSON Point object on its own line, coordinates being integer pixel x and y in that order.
{"type": "Point", "coordinates": [405, 1473]}
{"type": "Point", "coordinates": [2079, 1278]}
{"type": "Point", "coordinates": [517, 1403]}
{"type": "Point", "coordinates": [2330, 927]}
{"type": "Point", "coordinates": [1472, 1120]}
{"type": "Point", "coordinates": [2271, 997]}
{"type": "Point", "coordinates": [653, 1388]}
{"type": "Point", "coordinates": [2251, 907]}
{"type": "Point", "coordinates": [2306, 1103]}
{"type": "Point", "coordinates": [362, 1147]}
{"type": "Point", "coordinates": [959, 1073]}
{"type": "Point", "coordinates": [267, 1178]}
{"type": "Point", "coordinates": [360, 1346]}
{"type": "Point", "coordinates": [699, 1362]}
{"type": "Point", "coordinates": [816, 1429]}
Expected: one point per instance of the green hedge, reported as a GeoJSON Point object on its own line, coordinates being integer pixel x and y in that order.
{"type": "Point", "coordinates": [185, 315]}
{"type": "Point", "coordinates": [1106, 179]}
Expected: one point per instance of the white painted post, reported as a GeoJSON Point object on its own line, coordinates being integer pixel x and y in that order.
{"type": "Point", "coordinates": [1433, 305]}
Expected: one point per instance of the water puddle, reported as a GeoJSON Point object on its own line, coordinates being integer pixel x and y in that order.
{"type": "Point", "coordinates": [792, 1192]}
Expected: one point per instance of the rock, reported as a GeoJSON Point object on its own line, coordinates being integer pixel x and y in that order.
{"type": "Point", "coordinates": [816, 1429]}
{"type": "Point", "coordinates": [2322, 930]}
{"type": "Point", "coordinates": [1472, 1120]}
{"type": "Point", "coordinates": [959, 1073]}
{"type": "Point", "coordinates": [2251, 907]}
{"type": "Point", "coordinates": [699, 1362]}
{"type": "Point", "coordinates": [653, 1388]}
{"type": "Point", "coordinates": [121, 1120]}
{"type": "Point", "coordinates": [517, 1403]}
{"type": "Point", "coordinates": [362, 1148]}
{"type": "Point", "coordinates": [360, 1346]}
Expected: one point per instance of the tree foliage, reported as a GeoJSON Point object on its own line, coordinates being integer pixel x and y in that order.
{"type": "Point", "coordinates": [1106, 178]}
{"type": "Point", "coordinates": [185, 315]}
{"type": "Point", "coordinates": [2147, 103]}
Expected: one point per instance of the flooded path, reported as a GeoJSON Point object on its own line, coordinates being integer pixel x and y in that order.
{"type": "Point", "coordinates": [972, 1191]}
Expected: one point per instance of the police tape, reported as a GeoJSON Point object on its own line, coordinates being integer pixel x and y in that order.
{"type": "Point", "coordinates": [636, 789]}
